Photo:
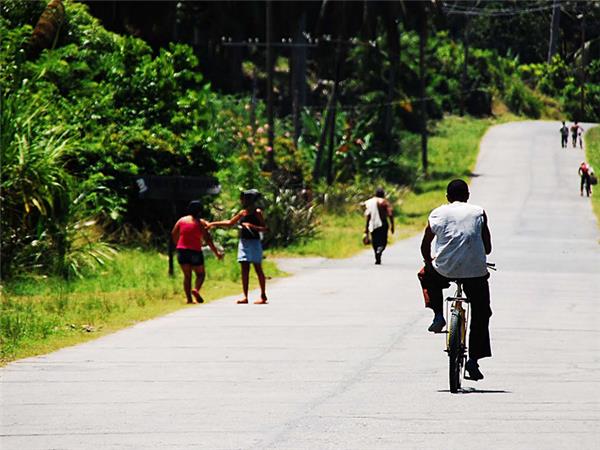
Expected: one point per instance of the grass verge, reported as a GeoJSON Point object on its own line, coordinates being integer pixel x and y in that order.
{"type": "Point", "coordinates": [40, 315]}
{"type": "Point", "coordinates": [452, 153]}
{"type": "Point", "coordinates": [592, 151]}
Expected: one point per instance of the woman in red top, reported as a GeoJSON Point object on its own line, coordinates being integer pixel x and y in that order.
{"type": "Point", "coordinates": [188, 235]}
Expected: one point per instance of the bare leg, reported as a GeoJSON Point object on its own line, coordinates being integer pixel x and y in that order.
{"type": "Point", "coordinates": [187, 281]}
{"type": "Point", "coordinates": [200, 276]}
{"type": "Point", "coordinates": [262, 282]}
{"type": "Point", "coordinates": [245, 276]}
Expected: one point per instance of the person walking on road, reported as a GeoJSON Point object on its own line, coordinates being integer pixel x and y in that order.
{"type": "Point", "coordinates": [252, 223]}
{"type": "Point", "coordinates": [378, 211]}
{"type": "Point", "coordinates": [580, 131]}
{"type": "Point", "coordinates": [188, 234]}
{"type": "Point", "coordinates": [462, 241]}
{"type": "Point", "coordinates": [574, 133]}
{"type": "Point", "coordinates": [564, 135]}
{"type": "Point", "coordinates": [585, 172]}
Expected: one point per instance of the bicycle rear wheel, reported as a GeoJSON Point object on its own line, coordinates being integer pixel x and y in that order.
{"type": "Point", "coordinates": [455, 352]}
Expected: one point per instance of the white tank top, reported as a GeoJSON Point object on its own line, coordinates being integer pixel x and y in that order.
{"type": "Point", "coordinates": [459, 246]}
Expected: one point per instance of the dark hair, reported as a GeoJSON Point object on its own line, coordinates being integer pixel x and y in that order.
{"type": "Point", "coordinates": [195, 208]}
{"type": "Point", "coordinates": [457, 190]}
{"type": "Point", "coordinates": [249, 197]}
{"type": "Point", "coordinates": [379, 192]}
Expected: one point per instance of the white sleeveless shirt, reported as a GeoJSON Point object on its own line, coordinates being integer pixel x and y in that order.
{"type": "Point", "coordinates": [458, 243]}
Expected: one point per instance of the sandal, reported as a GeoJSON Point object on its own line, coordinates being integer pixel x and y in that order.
{"type": "Point", "coordinates": [262, 301]}
{"type": "Point", "coordinates": [242, 301]}
{"type": "Point", "coordinates": [197, 296]}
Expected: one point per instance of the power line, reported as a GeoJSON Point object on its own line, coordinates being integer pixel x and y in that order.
{"type": "Point", "coordinates": [456, 9]}
{"type": "Point", "coordinates": [289, 42]}
{"type": "Point", "coordinates": [399, 102]}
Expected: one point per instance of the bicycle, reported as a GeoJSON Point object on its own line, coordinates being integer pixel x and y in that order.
{"type": "Point", "coordinates": [456, 341]}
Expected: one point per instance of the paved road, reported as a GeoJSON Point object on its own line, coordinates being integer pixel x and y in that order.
{"type": "Point", "coordinates": [341, 358]}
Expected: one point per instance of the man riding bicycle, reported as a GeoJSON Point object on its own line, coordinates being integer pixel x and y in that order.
{"type": "Point", "coordinates": [462, 241]}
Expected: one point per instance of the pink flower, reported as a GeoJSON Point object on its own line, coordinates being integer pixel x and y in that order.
{"type": "Point", "coordinates": [269, 149]}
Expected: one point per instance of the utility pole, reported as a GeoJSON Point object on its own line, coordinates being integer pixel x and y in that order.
{"type": "Point", "coordinates": [394, 59]}
{"type": "Point", "coordinates": [253, 111]}
{"type": "Point", "coordinates": [270, 121]}
{"type": "Point", "coordinates": [582, 97]}
{"type": "Point", "coordinates": [463, 77]}
{"type": "Point", "coordinates": [299, 77]}
{"type": "Point", "coordinates": [422, 45]}
{"type": "Point", "coordinates": [554, 30]}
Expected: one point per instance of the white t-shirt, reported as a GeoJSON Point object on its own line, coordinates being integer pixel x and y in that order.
{"type": "Point", "coordinates": [458, 243]}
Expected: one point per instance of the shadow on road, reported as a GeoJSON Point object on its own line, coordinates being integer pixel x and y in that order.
{"type": "Point", "coordinates": [478, 391]}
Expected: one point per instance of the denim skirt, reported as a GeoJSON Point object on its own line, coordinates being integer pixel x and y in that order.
{"type": "Point", "coordinates": [250, 250]}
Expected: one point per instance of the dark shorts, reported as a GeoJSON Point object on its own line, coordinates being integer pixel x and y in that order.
{"type": "Point", "coordinates": [192, 257]}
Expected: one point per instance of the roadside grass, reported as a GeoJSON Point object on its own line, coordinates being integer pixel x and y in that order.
{"type": "Point", "coordinates": [39, 315]}
{"type": "Point", "coordinates": [339, 236]}
{"type": "Point", "coordinates": [452, 153]}
{"type": "Point", "coordinates": [592, 151]}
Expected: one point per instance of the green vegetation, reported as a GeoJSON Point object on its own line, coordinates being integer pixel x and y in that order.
{"type": "Point", "coordinates": [91, 111]}
{"type": "Point", "coordinates": [592, 151]}
{"type": "Point", "coordinates": [561, 80]}
{"type": "Point", "coordinates": [41, 314]}
{"type": "Point", "coordinates": [85, 111]}
{"type": "Point", "coordinates": [453, 151]}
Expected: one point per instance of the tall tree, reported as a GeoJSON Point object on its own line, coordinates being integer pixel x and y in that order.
{"type": "Point", "coordinates": [393, 40]}
{"type": "Point", "coordinates": [554, 30]}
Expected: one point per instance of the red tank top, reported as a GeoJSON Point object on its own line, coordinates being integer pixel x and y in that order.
{"type": "Point", "coordinates": [190, 234]}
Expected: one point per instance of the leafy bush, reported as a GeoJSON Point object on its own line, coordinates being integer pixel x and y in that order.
{"type": "Point", "coordinates": [122, 111]}
{"type": "Point", "coordinates": [521, 100]}
{"type": "Point", "coordinates": [563, 81]}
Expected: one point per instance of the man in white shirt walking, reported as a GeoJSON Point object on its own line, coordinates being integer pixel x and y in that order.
{"type": "Point", "coordinates": [378, 211]}
{"type": "Point", "coordinates": [462, 241]}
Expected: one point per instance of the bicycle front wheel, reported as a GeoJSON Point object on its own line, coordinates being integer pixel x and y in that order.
{"type": "Point", "coordinates": [455, 352]}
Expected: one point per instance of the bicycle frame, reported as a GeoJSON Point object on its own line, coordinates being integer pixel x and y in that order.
{"type": "Point", "coordinates": [456, 304]}
{"type": "Point", "coordinates": [457, 315]}
{"type": "Point", "coordinates": [456, 347]}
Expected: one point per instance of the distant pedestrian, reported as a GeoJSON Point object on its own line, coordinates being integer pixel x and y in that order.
{"type": "Point", "coordinates": [585, 172]}
{"type": "Point", "coordinates": [564, 135]}
{"type": "Point", "coordinates": [378, 211]}
{"type": "Point", "coordinates": [251, 223]}
{"type": "Point", "coordinates": [188, 234]}
{"type": "Point", "coordinates": [574, 133]}
{"type": "Point", "coordinates": [580, 131]}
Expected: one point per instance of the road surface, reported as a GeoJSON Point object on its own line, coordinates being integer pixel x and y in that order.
{"type": "Point", "coordinates": [341, 358]}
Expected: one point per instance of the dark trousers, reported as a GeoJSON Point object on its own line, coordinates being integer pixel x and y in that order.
{"type": "Point", "coordinates": [379, 238]}
{"type": "Point", "coordinates": [564, 140]}
{"type": "Point", "coordinates": [477, 291]}
{"type": "Point", "coordinates": [585, 182]}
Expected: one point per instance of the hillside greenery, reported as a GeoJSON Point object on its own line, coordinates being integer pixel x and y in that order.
{"type": "Point", "coordinates": [83, 118]}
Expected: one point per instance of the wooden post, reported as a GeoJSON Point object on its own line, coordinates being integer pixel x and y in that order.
{"type": "Point", "coordinates": [463, 77]}
{"type": "Point", "coordinates": [554, 30]}
{"type": "Point", "coordinates": [299, 78]}
{"type": "Point", "coordinates": [582, 96]}
{"type": "Point", "coordinates": [271, 130]}
{"type": "Point", "coordinates": [422, 46]}
{"type": "Point", "coordinates": [171, 245]}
